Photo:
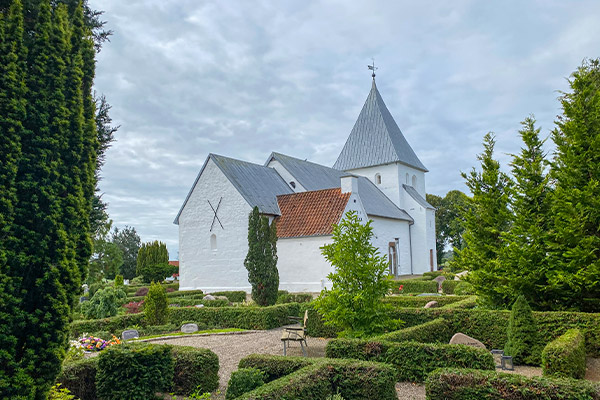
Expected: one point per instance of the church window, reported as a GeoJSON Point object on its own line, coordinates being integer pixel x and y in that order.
{"type": "Point", "coordinates": [213, 242]}
{"type": "Point", "coordinates": [407, 179]}
{"type": "Point", "coordinates": [293, 184]}
{"type": "Point", "coordinates": [378, 179]}
{"type": "Point", "coordinates": [414, 181]}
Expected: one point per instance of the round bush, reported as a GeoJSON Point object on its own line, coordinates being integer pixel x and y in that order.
{"type": "Point", "coordinates": [155, 305]}
{"type": "Point", "coordinates": [104, 303]}
{"type": "Point", "coordinates": [244, 380]}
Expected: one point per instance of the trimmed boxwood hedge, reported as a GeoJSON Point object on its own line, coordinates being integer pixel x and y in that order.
{"type": "Point", "coordinates": [467, 302]}
{"type": "Point", "coordinates": [470, 384]}
{"type": "Point", "coordinates": [185, 302]}
{"type": "Point", "coordinates": [130, 289]}
{"type": "Point", "coordinates": [488, 326]}
{"type": "Point", "coordinates": [414, 286]}
{"type": "Point", "coordinates": [436, 331]}
{"type": "Point", "coordinates": [193, 369]}
{"type": "Point", "coordinates": [564, 357]}
{"type": "Point", "coordinates": [298, 378]}
{"type": "Point", "coordinates": [234, 296]}
{"type": "Point", "coordinates": [420, 301]}
{"type": "Point", "coordinates": [413, 360]}
{"type": "Point", "coordinates": [448, 286]}
{"type": "Point", "coordinates": [113, 324]}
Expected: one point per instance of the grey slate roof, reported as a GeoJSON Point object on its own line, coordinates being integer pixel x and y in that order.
{"type": "Point", "coordinates": [257, 184]}
{"type": "Point", "coordinates": [376, 139]}
{"type": "Point", "coordinates": [314, 176]}
{"type": "Point", "coordinates": [417, 197]}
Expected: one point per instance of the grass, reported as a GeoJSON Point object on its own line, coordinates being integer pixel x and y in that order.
{"type": "Point", "coordinates": [194, 333]}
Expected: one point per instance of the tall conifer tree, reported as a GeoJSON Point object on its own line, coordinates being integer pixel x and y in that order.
{"type": "Point", "coordinates": [486, 218]}
{"type": "Point", "coordinates": [576, 199]}
{"type": "Point", "coordinates": [524, 256]}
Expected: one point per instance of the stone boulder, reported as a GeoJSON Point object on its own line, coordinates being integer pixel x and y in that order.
{"type": "Point", "coordinates": [431, 304]}
{"type": "Point", "coordinates": [209, 297]}
{"type": "Point", "coordinates": [189, 328]}
{"type": "Point", "coordinates": [461, 338]}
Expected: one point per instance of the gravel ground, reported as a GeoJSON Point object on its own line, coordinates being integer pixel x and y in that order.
{"type": "Point", "coordinates": [232, 348]}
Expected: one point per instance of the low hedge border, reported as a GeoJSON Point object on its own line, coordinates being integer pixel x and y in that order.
{"type": "Point", "coordinates": [129, 289]}
{"type": "Point", "coordinates": [467, 302]}
{"type": "Point", "coordinates": [448, 286]}
{"type": "Point", "coordinates": [414, 286]}
{"type": "Point", "coordinates": [185, 302]}
{"type": "Point", "coordinates": [436, 331]}
{"type": "Point", "coordinates": [261, 318]}
{"type": "Point", "coordinates": [234, 296]}
{"type": "Point", "coordinates": [413, 360]}
{"type": "Point", "coordinates": [284, 296]}
{"type": "Point", "coordinates": [564, 357]}
{"type": "Point", "coordinates": [420, 301]}
{"type": "Point", "coordinates": [488, 326]}
{"type": "Point", "coordinates": [295, 378]}
{"type": "Point", "coordinates": [194, 369]}
{"type": "Point", "coordinates": [469, 384]}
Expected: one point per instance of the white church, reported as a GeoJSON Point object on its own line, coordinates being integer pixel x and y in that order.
{"type": "Point", "coordinates": [377, 174]}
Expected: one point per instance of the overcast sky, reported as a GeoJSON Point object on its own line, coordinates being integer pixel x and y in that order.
{"type": "Point", "coordinates": [244, 78]}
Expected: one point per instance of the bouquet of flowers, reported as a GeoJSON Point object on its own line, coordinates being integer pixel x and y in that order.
{"type": "Point", "coordinates": [91, 343]}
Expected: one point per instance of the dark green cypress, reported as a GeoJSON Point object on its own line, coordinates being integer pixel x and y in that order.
{"type": "Point", "coordinates": [524, 255]}
{"type": "Point", "coordinates": [486, 218]}
{"type": "Point", "coordinates": [576, 198]}
{"type": "Point", "coordinates": [261, 260]}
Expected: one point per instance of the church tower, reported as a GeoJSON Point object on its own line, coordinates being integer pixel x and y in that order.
{"type": "Point", "coordinates": [377, 150]}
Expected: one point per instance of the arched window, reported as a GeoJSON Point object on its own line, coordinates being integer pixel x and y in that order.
{"type": "Point", "coordinates": [213, 242]}
{"type": "Point", "coordinates": [414, 181]}
{"type": "Point", "coordinates": [378, 179]}
{"type": "Point", "coordinates": [407, 179]}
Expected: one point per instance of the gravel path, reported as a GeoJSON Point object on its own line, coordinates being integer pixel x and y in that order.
{"type": "Point", "coordinates": [232, 348]}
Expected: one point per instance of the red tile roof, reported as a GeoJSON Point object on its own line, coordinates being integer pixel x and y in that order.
{"type": "Point", "coordinates": [310, 213]}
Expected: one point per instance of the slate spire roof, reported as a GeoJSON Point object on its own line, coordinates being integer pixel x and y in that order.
{"type": "Point", "coordinates": [376, 139]}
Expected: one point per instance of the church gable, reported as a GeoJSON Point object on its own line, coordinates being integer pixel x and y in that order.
{"type": "Point", "coordinates": [376, 139]}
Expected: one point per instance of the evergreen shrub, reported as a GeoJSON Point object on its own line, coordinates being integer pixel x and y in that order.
{"type": "Point", "coordinates": [564, 357]}
{"type": "Point", "coordinates": [413, 360]}
{"type": "Point", "coordinates": [114, 324]}
{"type": "Point", "coordinates": [471, 384]}
{"type": "Point", "coordinates": [523, 343]}
{"type": "Point", "coordinates": [119, 282]}
{"type": "Point", "coordinates": [104, 303]}
{"type": "Point", "coordinates": [449, 286]}
{"type": "Point", "coordinates": [244, 380]}
{"type": "Point", "coordinates": [128, 372]}
{"type": "Point", "coordinates": [80, 378]}
{"type": "Point", "coordinates": [464, 288]}
{"type": "Point", "coordinates": [156, 310]}
{"type": "Point", "coordinates": [420, 301]}
{"type": "Point", "coordinates": [285, 297]}
{"type": "Point", "coordinates": [466, 303]}
{"type": "Point", "coordinates": [195, 369]}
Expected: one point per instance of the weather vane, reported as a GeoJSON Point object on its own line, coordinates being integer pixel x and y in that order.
{"type": "Point", "coordinates": [372, 68]}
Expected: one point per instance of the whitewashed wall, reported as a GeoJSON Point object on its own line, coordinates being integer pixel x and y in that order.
{"type": "Point", "coordinates": [420, 245]}
{"type": "Point", "coordinates": [389, 179]}
{"type": "Point", "coordinates": [302, 267]}
{"type": "Point", "coordinates": [431, 236]}
{"type": "Point", "coordinates": [386, 230]}
{"type": "Point", "coordinates": [200, 266]}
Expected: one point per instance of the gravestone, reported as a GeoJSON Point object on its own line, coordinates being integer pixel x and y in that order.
{"type": "Point", "coordinates": [82, 299]}
{"type": "Point", "coordinates": [86, 288]}
{"type": "Point", "coordinates": [431, 304]}
{"type": "Point", "coordinates": [130, 334]}
{"type": "Point", "coordinates": [209, 297]}
{"type": "Point", "coordinates": [189, 328]}
{"type": "Point", "coordinates": [439, 280]}
{"type": "Point", "coordinates": [461, 338]}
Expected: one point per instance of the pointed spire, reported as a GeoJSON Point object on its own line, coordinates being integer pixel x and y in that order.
{"type": "Point", "coordinates": [376, 139]}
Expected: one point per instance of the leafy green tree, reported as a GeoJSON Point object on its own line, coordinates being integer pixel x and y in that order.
{"type": "Point", "coordinates": [359, 281]}
{"type": "Point", "coordinates": [261, 260]}
{"type": "Point", "coordinates": [150, 256]}
{"type": "Point", "coordinates": [129, 243]}
{"type": "Point", "coordinates": [524, 255]}
{"type": "Point", "coordinates": [106, 259]}
{"type": "Point", "coordinates": [487, 217]}
{"type": "Point", "coordinates": [456, 204]}
{"type": "Point", "coordinates": [440, 238]}
{"type": "Point", "coordinates": [119, 282]}
{"type": "Point", "coordinates": [104, 303]}
{"type": "Point", "coordinates": [156, 308]}
{"type": "Point", "coordinates": [46, 186]}
{"type": "Point", "coordinates": [523, 343]}
{"type": "Point", "coordinates": [575, 247]}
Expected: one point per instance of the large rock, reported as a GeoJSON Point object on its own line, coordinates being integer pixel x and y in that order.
{"type": "Point", "coordinates": [461, 338]}
{"type": "Point", "coordinates": [222, 298]}
{"type": "Point", "coordinates": [431, 304]}
{"type": "Point", "coordinates": [440, 279]}
{"type": "Point", "coordinates": [209, 297]}
{"type": "Point", "coordinates": [189, 328]}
